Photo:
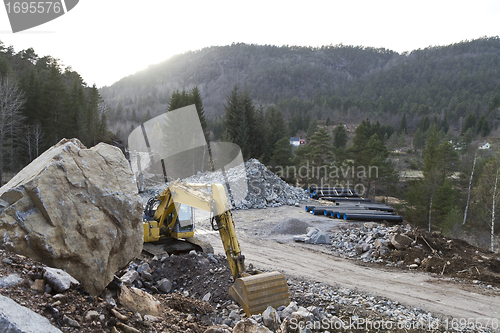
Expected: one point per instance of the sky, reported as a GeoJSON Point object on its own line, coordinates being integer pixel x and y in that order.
{"type": "Point", "coordinates": [106, 40]}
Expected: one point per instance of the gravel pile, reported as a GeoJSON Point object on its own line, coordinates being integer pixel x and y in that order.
{"type": "Point", "coordinates": [366, 243]}
{"type": "Point", "coordinates": [265, 189]}
{"type": "Point", "coordinates": [291, 227]}
{"type": "Point", "coordinates": [350, 308]}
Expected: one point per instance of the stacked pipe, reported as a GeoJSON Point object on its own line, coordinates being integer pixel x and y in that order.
{"type": "Point", "coordinates": [331, 192]}
{"type": "Point", "coordinates": [357, 211]}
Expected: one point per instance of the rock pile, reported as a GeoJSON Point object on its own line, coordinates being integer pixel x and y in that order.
{"type": "Point", "coordinates": [313, 236]}
{"type": "Point", "coordinates": [262, 187]}
{"type": "Point", "coordinates": [291, 226]}
{"type": "Point", "coordinates": [265, 189]}
{"type": "Point", "coordinates": [184, 309]}
{"type": "Point", "coordinates": [370, 242]}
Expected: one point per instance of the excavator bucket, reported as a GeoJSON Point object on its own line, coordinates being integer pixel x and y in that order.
{"type": "Point", "coordinates": [256, 292]}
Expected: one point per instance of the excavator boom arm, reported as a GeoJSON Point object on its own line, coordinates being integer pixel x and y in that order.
{"type": "Point", "coordinates": [253, 290]}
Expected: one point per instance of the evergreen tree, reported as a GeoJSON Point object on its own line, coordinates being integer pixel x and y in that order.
{"type": "Point", "coordinates": [319, 154]}
{"type": "Point", "coordinates": [251, 125]}
{"type": "Point", "coordinates": [261, 135]}
{"type": "Point", "coordinates": [422, 199]}
{"type": "Point", "coordinates": [470, 123]}
{"type": "Point", "coordinates": [53, 106]}
{"type": "Point", "coordinates": [195, 98]}
{"type": "Point", "coordinates": [232, 107]}
{"type": "Point", "coordinates": [282, 158]}
{"type": "Point", "coordinates": [339, 137]}
{"type": "Point", "coordinates": [311, 129]}
{"type": "Point", "coordinates": [277, 129]}
{"type": "Point", "coordinates": [328, 121]}
{"type": "Point", "coordinates": [403, 128]}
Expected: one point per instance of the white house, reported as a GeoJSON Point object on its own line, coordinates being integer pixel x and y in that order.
{"type": "Point", "coordinates": [485, 145]}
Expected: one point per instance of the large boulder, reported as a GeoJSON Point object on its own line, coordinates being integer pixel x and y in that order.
{"type": "Point", "coordinates": [75, 209]}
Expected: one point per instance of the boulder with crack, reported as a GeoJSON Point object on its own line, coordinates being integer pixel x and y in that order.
{"type": "Point", "coordinates": [75, 209]}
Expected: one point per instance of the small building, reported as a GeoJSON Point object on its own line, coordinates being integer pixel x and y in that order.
{"type": "Point", "coordinates": [295, 141]}
{"type": "Point", "coordinates": [485, 145]}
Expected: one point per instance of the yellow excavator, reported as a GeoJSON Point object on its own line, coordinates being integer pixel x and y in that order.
{"type": "Point", "coordinates": [169, 216]}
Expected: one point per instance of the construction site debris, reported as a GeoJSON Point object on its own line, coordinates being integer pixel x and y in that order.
{"type": "Point", "coordinates": [58, 279]}
{"type": "Point", "coordinates": [291, 226]}
{"type": "Point", "coordinates": [75, 311]}
{"type": "Point", "coordinates": [265, 189]}
{"type": "Point", "coordinates": [76, 209]}
{"type": "Point", "coordinates": [313, 236]}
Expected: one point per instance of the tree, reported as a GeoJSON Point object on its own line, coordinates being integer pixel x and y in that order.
{"type": "Point", "coordinates": [195, 98]}
{"type": "Point", "coordinates": [486, 194]}
{"type": "Point", "coordinates": [328, 121]}
{"type": "Point", "coordinates": [53, 105]}
{"type": "Point", "coordinates": [11, 103]}
{"type": "Point", "coordinates": [470, 123]}
{"type": "Point", "coordinates": [32, 140]}
{"type": "Point", "coordinates": [241, 124]}
{"type": "Point", "coordinates": [320, 144]}
{"type": "Point", "coordinates": [282, 158]}
{"type": "Point", "coordinates": [311, 129]}
{"type": "Point", "coordinates": [403, 128]}
{"type": "Point", "coordinates": [422, 197]}
{"type": "Point", "coordinates": [339, 137]}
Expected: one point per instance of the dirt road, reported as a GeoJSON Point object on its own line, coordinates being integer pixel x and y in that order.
{"type": "Point", "coordinates": [269, 251]}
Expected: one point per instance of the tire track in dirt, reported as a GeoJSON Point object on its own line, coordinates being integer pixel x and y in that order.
{"type": "Point", "coordinates": [415, 289]}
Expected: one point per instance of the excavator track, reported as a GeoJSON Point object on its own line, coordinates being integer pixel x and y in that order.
{"type": "Point", "coordinates": [176, 246]}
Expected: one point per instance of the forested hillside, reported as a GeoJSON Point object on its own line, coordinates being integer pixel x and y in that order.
{"type": "Point", "coordinates": [41, 103]}
{"type": "Point", "coordinates": [345, 83]}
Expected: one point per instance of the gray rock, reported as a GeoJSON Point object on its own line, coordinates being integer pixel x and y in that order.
{"type": "Point", "coordinates": [365, 247]}
{"type": "Point", "coordinates": [247, 326]}
{"type": "Point", "coordinates": [58, 279]}
{"type": "Point", "coordinates": [380, 242]}
{"type": "Point", "coordinates": [147, 276]}
{"type": "Point", "coordinates": [271, 318]}
{"type": "Point", "coordinates": [207, 296]}
{"type": "Point", "coordinates": [235, 315]}
{"type": "Point", "coordinates": [300, 238]}
{"type": "Point", "coordinates": [358, 249]}
{"type": "Point", "coordinates": [321, 237]}
{"type": "Point", "coordinates": [164, 285]}
{"type": "Point", "coordinates": [287, 312]}
{"type": "Point", "coordinates": [77, 209]}
{"type": "Point", "coordinates": [10, 280]}
{"type": "Point", "coordinates": [143, 267]}
{"type": "Point", "coordinates": [129, 277]}
{"type": "Point", "coordinates": [15, 318]}
{"type": "Point", "coordinates": [70, 322]}
{"type": "Point", "coordinates": [400, 241]}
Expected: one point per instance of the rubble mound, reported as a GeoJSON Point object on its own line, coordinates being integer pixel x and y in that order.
{"type": "Point", "coordinates": [76, 209]}
{"type": "Point", "coordinates": [291, 226]}
{"type": "Point", "coordinates": [198, 275]}
{"type": "Point", "coordinates": [181, 303]}
{"type": "Point", "coordinates": [434, 253]}
{"type": "Point", "coordinates": [410, 248]}
{"type": "Point", "coordinates": [73, 310]}
{"type": "Point", "coordinates": [265, 189]}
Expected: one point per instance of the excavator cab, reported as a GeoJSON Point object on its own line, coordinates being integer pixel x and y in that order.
{"type": "Point", "coordinates": [172, 217]}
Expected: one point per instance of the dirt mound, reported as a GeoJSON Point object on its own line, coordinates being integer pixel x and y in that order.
{"type": "Point", "coordinates": [76, 311]}
{"type": "Point", "coordinates": [181, 303]}
{"type": "Point", "coordinates": [434, 253]}
{"type": "Point", "coordinates": [291, 226]}
{"type": "Point", "coordinates": [197, 275]}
